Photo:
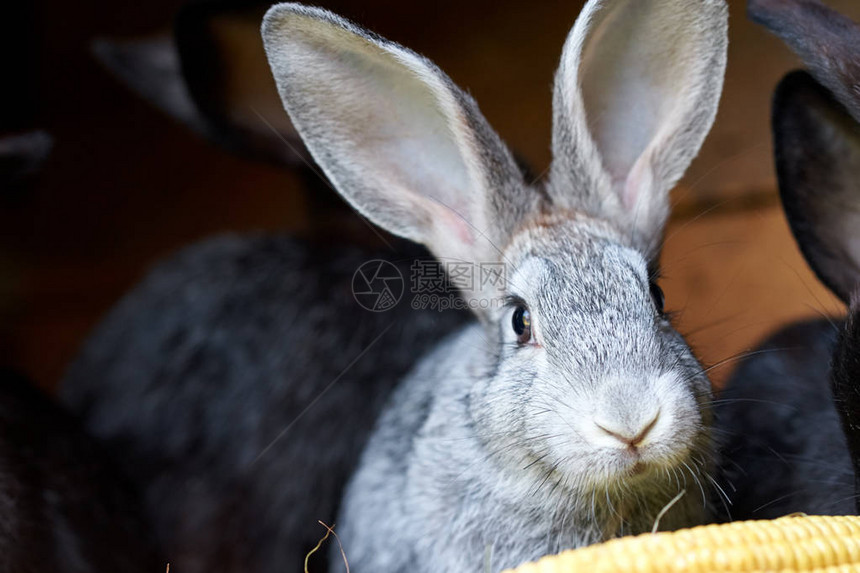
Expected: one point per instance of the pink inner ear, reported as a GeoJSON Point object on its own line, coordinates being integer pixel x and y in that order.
{"type": "Point", "coordinates": [450, 222]}
{"type": "Point", "coordinates": [638, 183]}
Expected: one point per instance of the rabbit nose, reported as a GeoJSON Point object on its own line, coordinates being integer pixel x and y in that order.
{"type": "Point", "coordinates": [629, 437]}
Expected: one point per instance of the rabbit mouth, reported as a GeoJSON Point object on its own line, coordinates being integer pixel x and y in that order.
{"type": "Point", "coordinates": [637, 466]}
{"type": "Point", "coordinates": [633, 467]}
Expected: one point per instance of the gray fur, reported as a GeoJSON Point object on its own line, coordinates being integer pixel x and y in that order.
{"type": "Point", "coordinates": [404, 145]}
{"type": "Point", "coordinates": [487, 445]}
{"type": "Point", "coordinates": [622, 138]}
{"type": "Point", "coordinates": [492, 446]}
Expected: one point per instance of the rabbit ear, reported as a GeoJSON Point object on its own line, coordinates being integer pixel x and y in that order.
{"type": "Point", "coordinates": [22, 155]}
{"type": "Point", "coordinates": [635, 95]}
{"type": "Point", "coordinates": [228, 78]}
{"type": "Point", "coordinates": [151, 68]}
{"type": "Point", "coordinates": [828, 43]}
{"type": "Point", "coordinates": [211, 74]}
{"type": "Point", "coordinates": [399, 141]}
{"type": "Point", "coordinates": [817, 146]}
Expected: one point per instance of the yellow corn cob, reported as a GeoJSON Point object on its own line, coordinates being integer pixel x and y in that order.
{"type": "Point", "coordinates": [819, 544]}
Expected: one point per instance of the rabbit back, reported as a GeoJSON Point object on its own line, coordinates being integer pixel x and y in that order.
{"type": "Point", "coordinates": [782, 447]}
{"type": "Point", "coordinates": [63, 505]}
{"type": "Point", "coordinates": [238, 384]}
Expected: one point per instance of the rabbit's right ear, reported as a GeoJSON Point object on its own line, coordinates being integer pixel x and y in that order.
{"type": "Point", "coordinates": [211, 74]}
{"type": "Point", "coordinates": [151, 68]}
{"type": "Point", "coordinates": [21, 155]}
{"type": "Point", "coordinates": [817, 146]}
{"type": "Point", "coordinates": [636, 93]}
{"type": "Point", "coordinates": [396, 137]}
{"type": "Point", "coordinates": [827, 42]}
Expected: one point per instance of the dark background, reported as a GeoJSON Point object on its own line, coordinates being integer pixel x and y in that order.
{"type": "Point", "coordinates": [126, 184]}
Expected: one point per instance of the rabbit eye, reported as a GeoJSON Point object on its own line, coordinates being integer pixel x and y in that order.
{"type": "Point", "coordinates": [658, 297]}
{"type": "Point", "coordinates": [522, 323]}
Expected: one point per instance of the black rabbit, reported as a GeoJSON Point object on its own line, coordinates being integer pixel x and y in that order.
{"type": "Point", "coordinates": [238, 383]}
{"type": "Point", "coordinates": [791, 412]}
{"type": "Point", "coordinates": [63, 506]}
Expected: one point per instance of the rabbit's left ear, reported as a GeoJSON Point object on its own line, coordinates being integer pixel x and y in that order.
{"type": "Point", "coordinates": [827, 42]}
{"type": "Point", "coordinates": [817, 146]}
{"type": "Point", "coordinates": [211, 74]}
{"type": "Point", "coordinates": [816, 129]}
{"type": "Point", "coordinates": [635, 95]}
{"type": "Point", "coordinates": [21, 155]}
{"type": "Point", "coordinates": [396, 137]}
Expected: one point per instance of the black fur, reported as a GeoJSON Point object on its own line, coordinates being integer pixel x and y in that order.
{"type": "Point", "coordinates": [827, 42]}
{"type": "Point", "coordinates": [206, 67]}
{"type": "Point", "coordinates": [782, 449]}
{"type": "Point", "coordinates": [63, 507]}
{"type": "Point", "coordinates": [820, 191]}
{"type": "Point", "coordinates": [790, 412]}
{"type": "Point", "coordinates": [22, 155]}
{"type": "Point", "coordinates": [238, 384]}
{"type": "Point", "coordinates": [845, 382]}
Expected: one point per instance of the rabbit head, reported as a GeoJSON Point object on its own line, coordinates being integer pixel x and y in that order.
{"type": "Point", "coordinates": [579, 373]}
{"type": "Point", "coordinates": [816, 127]}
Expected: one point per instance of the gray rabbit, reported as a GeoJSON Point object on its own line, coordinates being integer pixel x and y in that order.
{"type": "Point", "coordinates": [783, 412]}
{"type": "Point", "coordinates": [571, 412]}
